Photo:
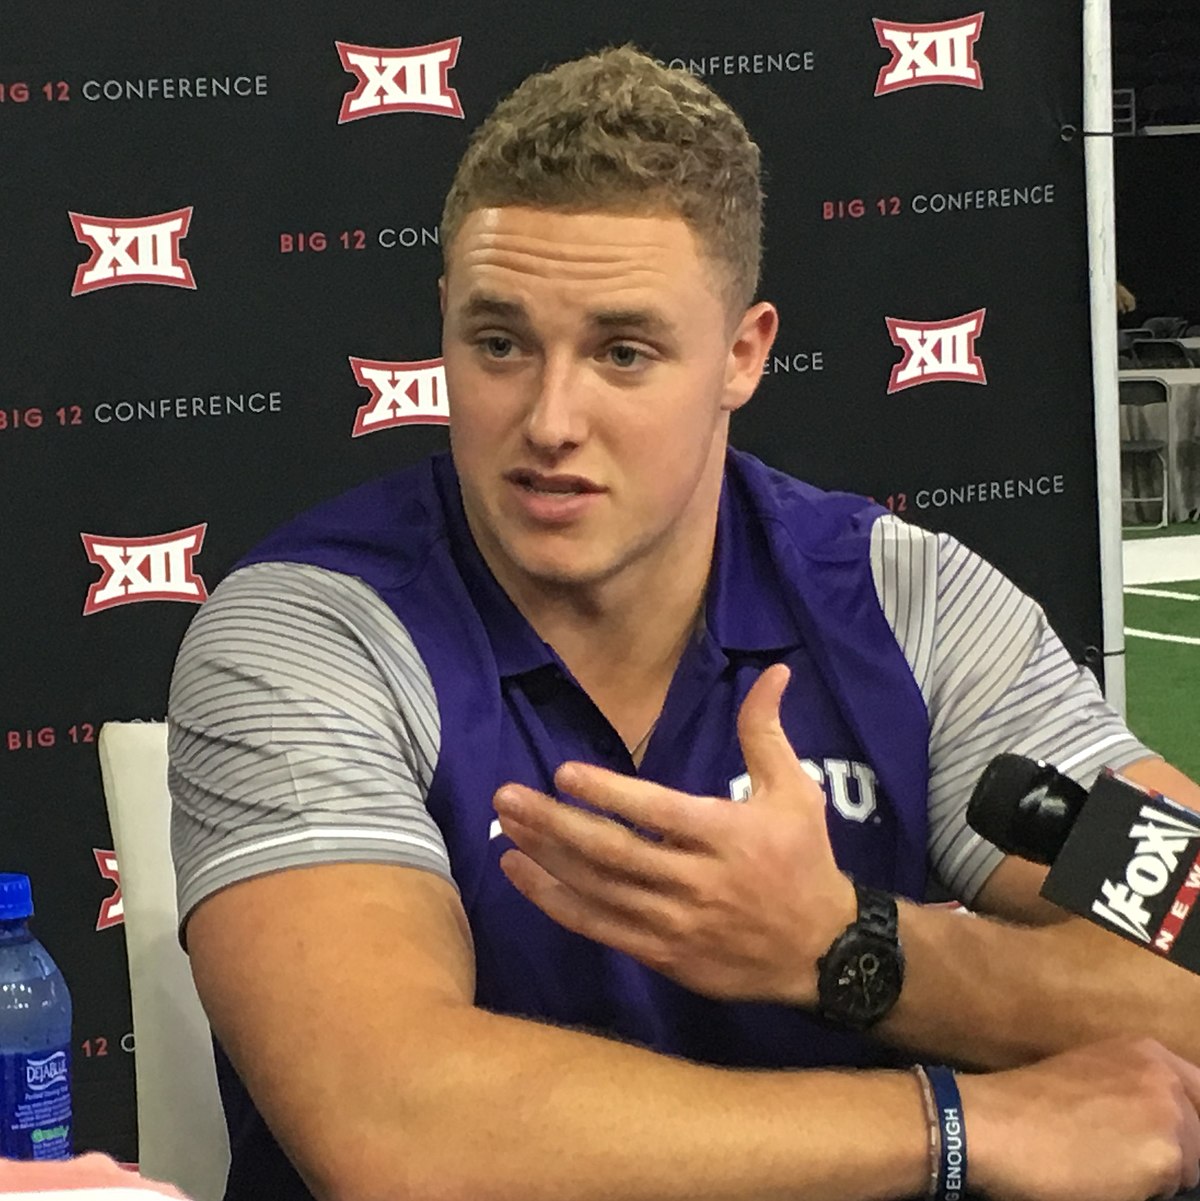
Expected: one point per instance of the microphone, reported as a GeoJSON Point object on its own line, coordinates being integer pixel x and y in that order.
{"type": "Point", "coordinates": [1123, 857]}
{"type": "Point", "coordinates": [1025, 806]}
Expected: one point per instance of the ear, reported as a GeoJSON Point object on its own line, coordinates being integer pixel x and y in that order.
{"type": "Point", "coordinates": [752, 342]}
{"type": "Point", "coordinates": [442, 295]}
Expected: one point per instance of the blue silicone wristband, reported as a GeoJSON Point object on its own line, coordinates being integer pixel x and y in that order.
{"type": "Point", "coordinates": [952, 1171]}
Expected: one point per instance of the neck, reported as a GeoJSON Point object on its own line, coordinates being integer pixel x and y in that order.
{"type": "Point", "coordinates": [622, 637]}
{"type": "Point", "coordinates": [626, 634]}
{"type": "Point", "coordinates": [628, 639]}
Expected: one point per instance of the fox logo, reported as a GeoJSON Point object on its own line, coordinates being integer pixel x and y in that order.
{"type": "Point", "coordinates": [132, 250]}
{"type": "Point", "coordinates": [936, 350]}
{"type": "Point", "coordinates": [145, 569]}
{"type": "Point", "coordinates": [1160, 840]}
{"type": "Point", "coordinates": [409, 79]}
{"type": "Point", "coordinates": [929, 54]}
{"type": "Point", "coordinates": [401, 394]}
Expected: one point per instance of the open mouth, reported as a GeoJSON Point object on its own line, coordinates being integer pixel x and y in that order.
{"type": "Point", "coordinates": [552, 485]}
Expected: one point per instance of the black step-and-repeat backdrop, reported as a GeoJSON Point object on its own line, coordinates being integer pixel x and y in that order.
{"type": "Point", "coordinates": [218, 267]}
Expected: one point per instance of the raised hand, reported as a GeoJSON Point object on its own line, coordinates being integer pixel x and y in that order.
{"type": "Point", "coordinates": [735, 901]}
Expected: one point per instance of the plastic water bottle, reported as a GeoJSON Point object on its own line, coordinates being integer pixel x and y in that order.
{"type": "Point", "coordinates": [35, 1036]}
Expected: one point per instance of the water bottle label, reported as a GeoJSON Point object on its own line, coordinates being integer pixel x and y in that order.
{"type": "Point", "coordinates": [35, 1118]}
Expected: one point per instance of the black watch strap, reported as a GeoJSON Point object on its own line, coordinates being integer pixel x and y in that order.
{"type": "Point", "coordinates": [859, 978]}
{"type": "Point", "coordinates": [877, 912]}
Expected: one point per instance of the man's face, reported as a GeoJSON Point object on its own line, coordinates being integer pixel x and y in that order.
{"type": "Point", "coordinates": [592, 364]}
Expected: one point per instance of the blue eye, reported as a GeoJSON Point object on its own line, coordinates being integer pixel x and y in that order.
{"type": "Point", "coordinates": [624, 356]}
{"type": "Point", "coordinates": [495, 346]}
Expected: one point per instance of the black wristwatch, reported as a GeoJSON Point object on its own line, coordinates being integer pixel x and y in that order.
{"type": "Point", "coordinates": [860, 976]}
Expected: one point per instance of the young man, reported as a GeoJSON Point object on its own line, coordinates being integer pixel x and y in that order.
{"type": "Point", "coordinates": [549, 661]}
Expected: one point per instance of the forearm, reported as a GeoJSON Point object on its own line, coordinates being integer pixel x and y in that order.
{"type": "Point", "coordinates": [992, 994]}
{"type": "Point", "coordinates": [487, 1107]}
{"type": "Point", "coordinates": [986, 993]}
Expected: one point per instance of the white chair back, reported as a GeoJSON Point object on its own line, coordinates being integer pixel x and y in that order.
{"type": "Point", "coordinates": [181, 1127]}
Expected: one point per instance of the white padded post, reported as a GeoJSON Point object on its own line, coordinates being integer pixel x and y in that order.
{"type": "Point", "coordinates": [181, 1127]}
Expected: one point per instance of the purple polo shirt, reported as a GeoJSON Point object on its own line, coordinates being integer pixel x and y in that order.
{"type": "Point", "coordinates": [791, 582]}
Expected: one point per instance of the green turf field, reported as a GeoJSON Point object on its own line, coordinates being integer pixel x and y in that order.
{"type": "Point", "coordinates": [1162, 677]}
{"type": "Point", "coordinates": [1177, 529]}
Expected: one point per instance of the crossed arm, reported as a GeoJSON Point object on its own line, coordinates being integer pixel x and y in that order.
{"type": "Point", "coordinates": [380, 1077]}
{"type": "Point", "coordinates": [381, 1080]}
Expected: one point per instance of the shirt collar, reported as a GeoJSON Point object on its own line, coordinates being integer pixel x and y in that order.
{"type": "Point", "coordinates": [744, 606]}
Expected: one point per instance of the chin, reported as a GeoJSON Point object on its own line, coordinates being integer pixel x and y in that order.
{"type": "Point", "coordinates": [560, 574]}
{"type": "Point", "coordinates": [571, 570]}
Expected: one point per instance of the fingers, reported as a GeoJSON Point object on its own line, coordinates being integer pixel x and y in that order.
{"type": "Point", "coordinates": [1142, 1075]}
{"type": "Point", "coordinates": [677, 816]}
{"type": "Point", "coordinates": [770, 760]}
{"type": "Point", "coordinates": [687, 820]}
{"type": "Point", "coordinates": [1102, 1122]}
{"type": "Point", "coordinates": [586, 851]}
{"type": "Point", "coordinates": [597, 919]}
{"type": "Point", "coordinates": [1188, 1078]}
{"type": "Point", "coordinates": [1188, 1073]}
{"type": "Point", "coordinates": [596, 877]}
{"type": "Point", "coordinates": [1190, 1147]}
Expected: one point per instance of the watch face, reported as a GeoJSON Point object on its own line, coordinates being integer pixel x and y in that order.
{"type": "Point", "coordinates": [861, 978]}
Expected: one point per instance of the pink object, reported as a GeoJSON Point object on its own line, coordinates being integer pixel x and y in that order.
{"type": "Point", "coordinates": [81, 1179]}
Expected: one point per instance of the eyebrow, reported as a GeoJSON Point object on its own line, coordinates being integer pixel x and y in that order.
{"type": "Point", "coordinates": [482, 305]}
{"type": "Point", "coordinates": [645, 320]}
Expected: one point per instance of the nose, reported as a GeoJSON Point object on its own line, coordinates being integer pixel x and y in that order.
{"type": "Point", "coordinates": [556, 421]}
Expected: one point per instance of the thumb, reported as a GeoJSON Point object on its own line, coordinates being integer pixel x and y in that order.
{"type": "Point", "coordinates": [770, 760]}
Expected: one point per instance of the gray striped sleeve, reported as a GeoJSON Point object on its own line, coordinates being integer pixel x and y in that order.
{"type": "Point", "coordinates": [995, 678]}
{"type": "Point", "coordinates": [302, 729]}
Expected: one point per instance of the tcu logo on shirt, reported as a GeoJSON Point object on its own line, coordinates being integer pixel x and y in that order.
{"type": "Point", "coordinates": [936, 350]}
{"type": "Point", "coordinates": [145, 569]}
{"type": "Point", "coordinates": [401, 394]}
{"type": "Point", "coordinates": [409, 79]}
{"type": "Point", "coordinates": [112, 908]}
{"type": "Point", "coordinates": [132, 250]}
{"type": "Point", "coordinates": [921, 54]}
{"type": "Point", "coordinates": [855, 804]}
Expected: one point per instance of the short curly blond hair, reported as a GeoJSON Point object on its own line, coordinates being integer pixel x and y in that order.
{"type": "Point", "coordinates": [619, 132]}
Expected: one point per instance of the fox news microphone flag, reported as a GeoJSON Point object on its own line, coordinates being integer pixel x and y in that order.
{"type": "Point", "coordinates": [1123, 857]}
{"type": "Point", "coordinates": [220, 307]}
{"type": "Point", "coordinates": [1132, 865]}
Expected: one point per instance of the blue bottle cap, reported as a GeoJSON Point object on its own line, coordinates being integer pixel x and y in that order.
{"type": "Point", "coordinates": [16, 897]}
